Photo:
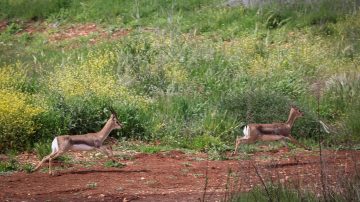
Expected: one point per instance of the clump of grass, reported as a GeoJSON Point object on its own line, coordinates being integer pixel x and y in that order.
{"type": "Point", "coordinates": [9, 166]}
{"type": "Point", "coordinates": [42, 149]}
{"type": "Point", "coordinates": [274, 192]}
{"type": "Point", "coordinates": [27, 167]}
{"type": "Point", "coordinates": [91, 185]}
{"type": "Point", "coordinates": [112, 164]}
{"type": "Point", "coordinates": [152, 149]}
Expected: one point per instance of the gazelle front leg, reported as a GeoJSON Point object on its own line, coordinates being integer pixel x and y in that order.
{"type": "Point", "coordinates": [107, 150]}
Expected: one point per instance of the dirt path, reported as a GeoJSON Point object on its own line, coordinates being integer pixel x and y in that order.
{"type": "Point", "coordinates": [176, 176]}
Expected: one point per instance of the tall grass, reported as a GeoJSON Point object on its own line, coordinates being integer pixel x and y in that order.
{"type": "Point", "coordinates": [192, 81]}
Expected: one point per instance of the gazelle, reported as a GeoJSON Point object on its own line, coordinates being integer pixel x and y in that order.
{"type": "Point", "coordinates": [86, 142]}
{"type": "Point", "coordinates": [270, 132]}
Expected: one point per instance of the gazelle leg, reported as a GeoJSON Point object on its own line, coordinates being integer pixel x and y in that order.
{"type": "Point", "coordinates": [237, 142]}
{"type": "Point", "coordinates": [55, 155]}
{"type": "Point", "coordinates": [107, 151]}
{"type": "Point", "coordinates": [42, 161]}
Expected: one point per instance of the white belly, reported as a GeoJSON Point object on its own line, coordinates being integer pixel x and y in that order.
{"type": "Point", "coordinates": [81, 147]}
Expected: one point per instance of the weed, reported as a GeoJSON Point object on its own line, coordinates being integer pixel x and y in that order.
{"type": "Point", "coordinates": [91, 185]}
{"type": "Point", "coordinates": [27, 167]}
{"type": "Point", "coordinates": [113, 164]}
{"type": "Point", "coordinates": [42, 149]}
{"type": "Point", "coordinates": [150, 149]}
{"type": "Point", "coordinates": [9, 166]}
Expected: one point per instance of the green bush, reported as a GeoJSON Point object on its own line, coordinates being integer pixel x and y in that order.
{"type": "Point", "coordinates": [18, 113]}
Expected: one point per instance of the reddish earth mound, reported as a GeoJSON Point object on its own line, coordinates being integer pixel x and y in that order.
{"type": "Point", "coordinates": [176, 176]}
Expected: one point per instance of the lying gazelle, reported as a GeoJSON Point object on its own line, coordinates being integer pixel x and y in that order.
{"type": "Point", "coordinates": [270, 132]}
{"type": "Point", "coordinates": [86, 142]}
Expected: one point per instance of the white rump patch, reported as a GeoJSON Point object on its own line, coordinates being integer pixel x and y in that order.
{"type": "Point", "coordinates": [81, 147]}
{"type": "Point", "coordinates": [246, 132]}
{"type": "Point", "coordinates": [54, 145]}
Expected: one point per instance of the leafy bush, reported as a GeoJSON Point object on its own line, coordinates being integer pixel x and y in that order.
{"type": "Point", "coordinates": [80, 96]}
{"type": "Point", "coordinates": [18, 113]}
{"type": "Point", "coordinates": [18, 120]}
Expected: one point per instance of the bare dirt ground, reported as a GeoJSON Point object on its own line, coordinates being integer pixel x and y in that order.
{"type": "Point", "coordinates": [175, 176]}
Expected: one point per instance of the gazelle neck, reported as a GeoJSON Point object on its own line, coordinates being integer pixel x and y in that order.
{"type": "Point", "coordinates": [105, 131]}
{"type": "Point", "coordinates": [291, 119]}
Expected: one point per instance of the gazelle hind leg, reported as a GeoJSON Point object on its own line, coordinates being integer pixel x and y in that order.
{"type": "Point", "coordinates": [237, 142]}
{"type": "Point", "coordinates": [42, 161]}
{"type": "Point", "coordinates": [55, 155]}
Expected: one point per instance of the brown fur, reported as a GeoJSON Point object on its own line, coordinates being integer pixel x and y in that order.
{"type": "Point", "coordinates": [89, 140]}
{"type": "Point", "coordinates": [271, 132]}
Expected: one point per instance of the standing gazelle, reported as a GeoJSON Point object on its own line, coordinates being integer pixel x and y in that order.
{"type": "Point", "coordinates": [270, 132]}
{"type": "Point", "coordinates": [86, 142]}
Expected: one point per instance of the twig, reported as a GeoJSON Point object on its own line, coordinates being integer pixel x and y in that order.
{"type": "Point", "coordinates": [263, 183]}
{"type": "Point", "coordinates": [206, 180]}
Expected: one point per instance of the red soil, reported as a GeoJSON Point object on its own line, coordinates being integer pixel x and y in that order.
{"type": "Point", "coordinates": [175, 176]}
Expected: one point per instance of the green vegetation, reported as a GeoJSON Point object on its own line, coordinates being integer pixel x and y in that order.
{"type": "Point", "coordinates": [274, 192]}
{"type": "Point", "coordinates": [189, 74]}
{"type": "Point", "coordinates": [113, 164]}
{"type": "Point", "coordinates": [9, 166]}
{"type": "Point", "coordinates": [278, 192]}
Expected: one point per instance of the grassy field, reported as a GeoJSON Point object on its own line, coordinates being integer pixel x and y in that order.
{"type": "Point", "coordinates": [181, 74]}
{"type": "Point", "coordinates": [189, 74]}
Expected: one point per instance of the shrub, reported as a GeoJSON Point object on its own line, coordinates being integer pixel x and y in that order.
{"type": "Point", "coordinates": [18, 120]}
{"type": "Point", "coordinates": [18, 113]}
{"type": "Point", "coordinates": [80, 94]}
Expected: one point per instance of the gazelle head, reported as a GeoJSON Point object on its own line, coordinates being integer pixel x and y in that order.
{"type": "Point", "coordinates": [296, 111]}
{"type": "Point", "coordinates": [115, 122]}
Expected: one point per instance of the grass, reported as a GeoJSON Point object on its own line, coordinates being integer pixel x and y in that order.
{"type": "Point", "coordinates": [113, 164]}
{"type": "Point", "coordinates": [188, 74]}
{"type": "Point", "coordinates": [9, 166]}
{"type": "Point", "coordinates": [152, 149]}
{"type": "Point", "coordinates": [274, 192]}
